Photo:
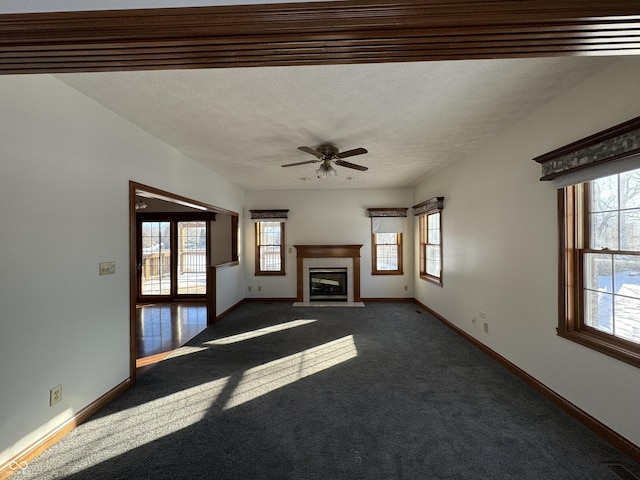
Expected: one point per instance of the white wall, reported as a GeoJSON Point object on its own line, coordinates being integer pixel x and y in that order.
{"type": "Point", "coordinates": [221, 239]}
{"type": "Point", "coordinates": [328, 217]}
{"type": "Point", "coordinates": [500, 249]}
{"type": "Point", "coordinates": [65, 164]}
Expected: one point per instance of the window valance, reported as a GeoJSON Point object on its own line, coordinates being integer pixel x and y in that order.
{"type": "Point", "coordinates": [266, 215]}
{"type": "Point", "coordinates": [387, 212]}
{"type": "Point", "coordinates": [431, 205]}
{"type": "Point", "coordinates": [614, 150]}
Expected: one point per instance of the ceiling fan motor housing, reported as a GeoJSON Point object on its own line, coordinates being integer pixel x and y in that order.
{"type": "Point", "coordinates": [327, 151]}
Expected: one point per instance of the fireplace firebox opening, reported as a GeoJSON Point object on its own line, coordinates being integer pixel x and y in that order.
{"type": "Point", "coordinates": [328, 284]}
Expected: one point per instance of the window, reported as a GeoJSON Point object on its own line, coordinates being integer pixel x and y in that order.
{"type": "Point", "coordinates": [269, 248]}
{"type": "Point", "coordinates": [431, 257]}
{"type": "Point", "coordinates": [387, 253]}
{"type": "Point", "coordinates": [598, 181]}
{"type": "Point", "coordinates": [602, 260]}
{"type": "Point", "coordinates": [430, 229]}
{"type": "Point", "coordinates": [387, 225]}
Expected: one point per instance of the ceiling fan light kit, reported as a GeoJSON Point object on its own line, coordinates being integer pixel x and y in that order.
{"type": "Point", "coordinates": [326, 170]}
{"type": "Point", "coordinates": [328, 153]}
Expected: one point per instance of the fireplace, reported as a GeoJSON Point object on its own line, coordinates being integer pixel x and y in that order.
{"type": "Point", "coordinates": [328, 284]}
{"type": "Point", "coordinates": [328, 257]}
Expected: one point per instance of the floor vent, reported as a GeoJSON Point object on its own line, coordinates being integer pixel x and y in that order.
{"type": "Point", "coordinates": [621, 471]}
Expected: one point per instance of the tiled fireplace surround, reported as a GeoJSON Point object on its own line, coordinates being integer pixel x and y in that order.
{"type": "Point", "coordinates": [328, 256]}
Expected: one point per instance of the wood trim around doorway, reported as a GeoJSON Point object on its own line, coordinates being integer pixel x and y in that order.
{"type": "Point", "coordinates": [133, 266]}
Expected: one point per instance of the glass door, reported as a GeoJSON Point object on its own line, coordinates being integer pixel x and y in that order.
{"type": "Point", "coordinates": [155, 262]}
{"type": "Point", "coordinates": [172, 259]}
{"type": "Point", "coordinates": [192, 258]}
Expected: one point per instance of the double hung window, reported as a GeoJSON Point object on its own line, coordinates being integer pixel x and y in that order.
{"type": "Point", "coordinates": [610, 259]}
{"type": "Point", "coordinates": [601, 271]}
{"type": "Point", "coordinates": [387, 225]}
{"type": "Point", "coordinates": [269, 251]}
{"type": "Point", "coordinates": [269, 241]}
{"type": "Point", "coordinates": [387, 254]}
{"type": "Point", "coordinates": [430, 228]}
{"type": "Point", "coordinates": [599, 250]}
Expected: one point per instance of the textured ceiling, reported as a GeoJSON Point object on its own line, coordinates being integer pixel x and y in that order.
{"type": "Point", "coordinates": [413, 118]}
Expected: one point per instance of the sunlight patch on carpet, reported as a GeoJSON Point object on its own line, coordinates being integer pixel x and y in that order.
{"type": "Point", "coordinates": [258, 333]}
{"type": "Point", "coordinates": [268, 377]}
{"type": "Point", "coordinates": [108, 437]}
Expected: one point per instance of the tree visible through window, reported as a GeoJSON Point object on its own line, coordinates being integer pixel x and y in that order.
{"type": "Point", "coordinates": [598, 182]}
{"type": "Point", "coordinates": [610, 258]}
{"type": "Point", "coordinates": [269, 248]}
{"type": "Point", "coordinates": [600, 300]}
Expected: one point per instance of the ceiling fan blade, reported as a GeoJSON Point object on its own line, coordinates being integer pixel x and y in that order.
{"type": "Point", "coordinates": [300, 163]}
{"type": "Point", "coordinates": [343, 163]}
{"type": "Point", "coordinates": [313, 152]}
{"type": "Point", "coordinates": [351, 153]}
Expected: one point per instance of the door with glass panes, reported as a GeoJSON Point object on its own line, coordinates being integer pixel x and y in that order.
{"type": "Point", "coordinates": [172, 259]}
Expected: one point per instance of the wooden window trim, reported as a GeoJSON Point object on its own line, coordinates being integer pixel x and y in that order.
{"type": "Point", "coordinates": [374, 258]}
{"type": "Point", "coordinates": [423, 222]}
{"type": "Point", "coordinates": [571, 218]}
{"type": "Point", "coordinates": [282, 270]}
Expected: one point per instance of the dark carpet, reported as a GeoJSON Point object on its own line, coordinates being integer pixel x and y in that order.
{"type": "Point", "coordinates": [280, 392]}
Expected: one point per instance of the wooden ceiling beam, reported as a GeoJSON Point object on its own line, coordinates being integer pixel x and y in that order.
{"type": "Point", "coordinates": [315, 33]}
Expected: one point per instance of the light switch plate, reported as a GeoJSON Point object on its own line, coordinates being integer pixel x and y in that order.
{"type": "Point", "coordinates": [107, 268]}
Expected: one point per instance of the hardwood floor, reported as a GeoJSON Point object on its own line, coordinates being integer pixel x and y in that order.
{"type": "Point", "coordinates": [163, 327]}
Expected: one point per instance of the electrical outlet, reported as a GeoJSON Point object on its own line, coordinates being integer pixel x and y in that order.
{"type": "Point", "coordinates": [55, 395]}
{"type": "Point", "coordinates": [107, 268]}
{"type": "Point", "coordinates": [259, 288]}
{"type": "Point", "coordinates": [249, 288]}
{"type": "Point", "coordinates": [474, 320]}
{"type": "Point", "coordinates": [486, 327]}
{"type": "Point", "coordinates": [483, 315]}
{"type": "Point", "coordinates": [406, 288]}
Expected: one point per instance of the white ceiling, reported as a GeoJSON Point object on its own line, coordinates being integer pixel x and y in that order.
{"type": "Point", "coordinates": [413, 118]}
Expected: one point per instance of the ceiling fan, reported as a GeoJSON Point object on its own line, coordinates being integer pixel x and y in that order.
{"type": "Point", "coordinates": [327, 154]}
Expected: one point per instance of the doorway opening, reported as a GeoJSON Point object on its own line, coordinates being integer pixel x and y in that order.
{"type": "Point", "coordinates": [176, 244]}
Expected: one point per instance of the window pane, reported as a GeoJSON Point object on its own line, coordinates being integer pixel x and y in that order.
{"type": "Point", "coordinates": [270, 259]}
{"type": "Point", "coordinates": [192, 256]}
{"type": "Point", "coordinates": [269, 233]}
{"type": "Point", "coordinates": [156, 258]}
{"type": "Point", "coordinates": [598, 272]}
{"type": "Point", "coordinates": [433, 228]}
{"type": "Point", "coordinates": [627, 320]}
{"type": "Point", "coordinates": [627, 276]}
{"type": "Point", "coordinates": [387, 257]}
{"type": "Point", "coordinates": [386, 238]}
{"type": "Point", "coordinates": [433, 260]}
{"type": "Point", "coordinates": [604, 194]}
{"type": "Point", "coordinates": [630, 230]}
{"type": "Point", "coordinates": [604, 230]}
{"type": "Point", "coordinates": [630, 189]}
{"type": "Point", "coordinates": [598, 311]}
